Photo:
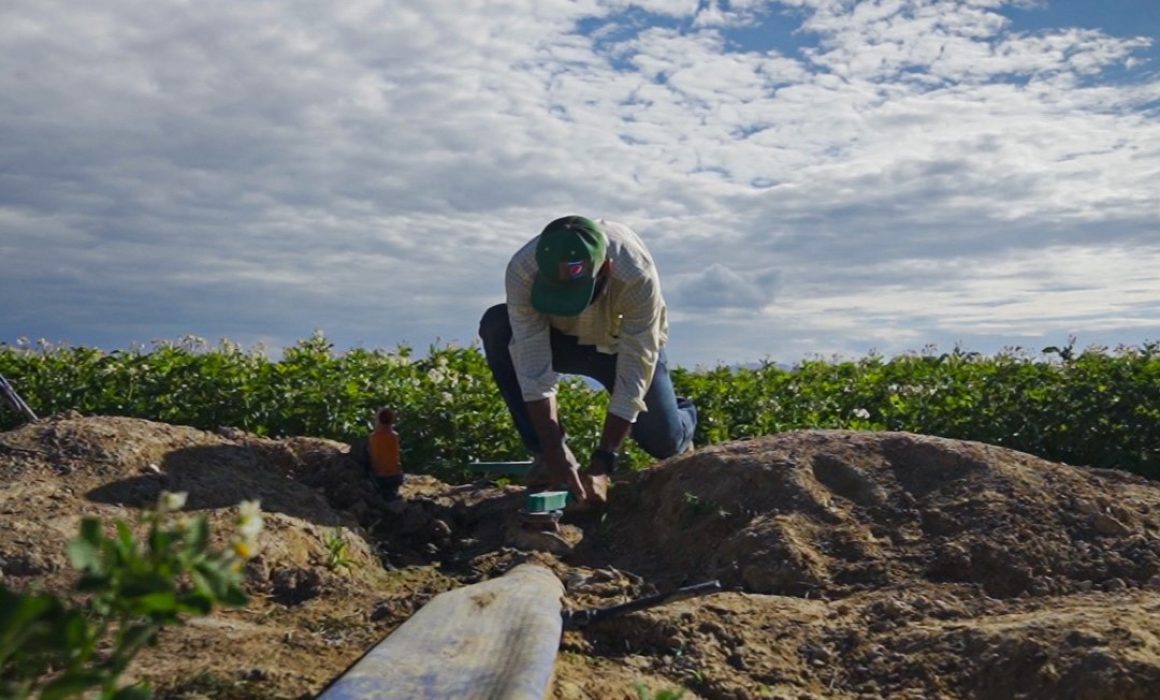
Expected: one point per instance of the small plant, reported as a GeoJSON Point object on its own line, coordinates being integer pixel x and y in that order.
{"type": "Point", "coordinates": [134, 587]}
{"type": "Point", "coordinates": [337, 551]}
{"type": "Point", "coordinates": [697, 507]}
{"type": "Point", "coordinates": [644, 693]}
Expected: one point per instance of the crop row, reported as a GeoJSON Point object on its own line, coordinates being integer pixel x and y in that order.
{"type": "Point", "coordinates": [1098, 407]}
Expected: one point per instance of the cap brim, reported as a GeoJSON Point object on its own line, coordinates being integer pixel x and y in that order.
{"type": "Point", "coordinates": [562, 298]}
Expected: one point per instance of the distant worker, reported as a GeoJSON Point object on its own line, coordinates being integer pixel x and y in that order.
{"type": "Point", "coordinates": [584, 298]}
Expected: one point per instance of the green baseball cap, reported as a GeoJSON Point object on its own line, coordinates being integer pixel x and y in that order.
{"type": "Point", "coordinates": [570, 252]}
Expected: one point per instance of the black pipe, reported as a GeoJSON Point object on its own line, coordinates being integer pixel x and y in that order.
{"type": "Point", "coordinates": [574, 619]}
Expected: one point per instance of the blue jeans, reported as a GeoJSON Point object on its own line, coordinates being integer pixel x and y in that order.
{"type": "Point", "coordinates": [664, 430]}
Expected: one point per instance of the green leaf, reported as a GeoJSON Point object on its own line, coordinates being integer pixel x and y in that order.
{"type": "Point", "coordinates": [92, 531]}
{"type": "Point", "coordinates": [133, 692]}
{"type": "Point", "coordinates": [234, 597]}
{"type": "Point", "coordinates": [23, 617]}
{"type": "Point", "coordinates": [77, 632]}
{"type": "Point", "coordinates": [85, 550]}
{"type": "Point", "coordinates": [142, 584]}
{"type": "Point", "coordinates": [90, 583]}
{"type": "Point", "coordinates": [197, 602]}
{"type": "Point", "coordinates": [213, 577]}
{"type": "Point", "coordinates": [135, 637]}
{"type": "Point", "coordinates": [85, 556]}
{"type": "Point", "coordinates": [199, 535]}
{"type": "Point", "coordinates": [159, 602]}
{"type": "Point", "coordinates": [126, 544]}
{"type": "Point", "coordinates": [18, 609]}
{"type": "Point", "coordinates": [161, 542]}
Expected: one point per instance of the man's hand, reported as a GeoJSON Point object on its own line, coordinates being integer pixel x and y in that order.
{"type": "Point", "coordinates": [596, 486]}
{"type": "Point", "coordinates": [564, 469]}
{"type": "Point", "coordinates": [595, 480]}
{"type": "Point", "coordinates": [561, 464]}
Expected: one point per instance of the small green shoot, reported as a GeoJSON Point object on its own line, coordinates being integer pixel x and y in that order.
{"type": "Point", "coordinates": [337, 551]}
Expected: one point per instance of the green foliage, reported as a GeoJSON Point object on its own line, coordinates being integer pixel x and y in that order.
{"type": "Point", "coordinates": [337, 551]}
{"type": "Point", "coordinates": [133, 588]}
{"type": "Point", "coordinates": [1096, 407]}
{"type": "Point", "coordinates": [449, 411]}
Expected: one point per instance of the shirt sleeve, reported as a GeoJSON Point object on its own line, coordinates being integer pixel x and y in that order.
{"type": "Point", "coordinates": [530, 346]}
{"type": "Point", "coordinates": [639, 347]}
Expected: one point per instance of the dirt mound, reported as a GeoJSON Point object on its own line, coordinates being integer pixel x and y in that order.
{"type": "Point", "coordinates": [858, 565]}
{"type": "Point", "coordinates": [310, 613]}
{"type": "Point", "coordinates": [828, 513]}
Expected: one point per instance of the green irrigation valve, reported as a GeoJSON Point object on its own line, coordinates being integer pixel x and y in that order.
{"type": "Point", "coordinates": [501, 468]}
{"type": "Point", "coordinates": [547, 501]}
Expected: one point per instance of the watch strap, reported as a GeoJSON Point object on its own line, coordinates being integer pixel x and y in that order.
{"type": "Point", "coordinates": [609, 458]}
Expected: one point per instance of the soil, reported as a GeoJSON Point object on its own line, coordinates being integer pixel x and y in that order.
{"type": "Point", "coordinates": [854, 564]}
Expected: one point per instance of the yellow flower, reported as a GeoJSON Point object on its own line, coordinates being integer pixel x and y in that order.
{"type": "Point", "coordinates": [250, 524]}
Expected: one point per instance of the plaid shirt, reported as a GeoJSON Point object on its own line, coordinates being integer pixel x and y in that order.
{"type": "Point", "coordinates": [628, 320]}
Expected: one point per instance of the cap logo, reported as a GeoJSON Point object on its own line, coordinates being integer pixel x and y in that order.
{"type": "Point", "coordinates": [573, 269]}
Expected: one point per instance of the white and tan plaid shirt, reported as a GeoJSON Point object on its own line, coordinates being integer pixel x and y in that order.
{"type": "Point", "coordinates": [628, 320]}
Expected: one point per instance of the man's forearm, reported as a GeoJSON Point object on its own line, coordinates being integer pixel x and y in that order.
{"type": "Point", "coordinates": [616, 430]}
{"type": "Point", "coordinates": [551, 436]}
{"type": "Point", "coordinates": [547, 425]}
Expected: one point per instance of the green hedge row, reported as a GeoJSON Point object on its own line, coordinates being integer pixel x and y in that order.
{"type": "Point", "coordinates": [1096, 407]}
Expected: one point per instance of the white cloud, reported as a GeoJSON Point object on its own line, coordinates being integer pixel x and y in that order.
{"type": "Point", "coordinates": [719, 288]}
{"type": "Point", "coordinates": [260, 170]}
{"type": "Point", "coordinates": [1046, 293]}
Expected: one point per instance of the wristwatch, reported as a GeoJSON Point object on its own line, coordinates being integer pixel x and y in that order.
{"type": "Point", "coordinates": [606, 457]}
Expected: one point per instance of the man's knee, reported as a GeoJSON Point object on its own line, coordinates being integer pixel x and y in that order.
{"type": "Point", "coordinates": [495, 327]}
{"type": "Point", "coordinates": [670, 437]}
{"type": "Point", "coordinates": [661, 444]}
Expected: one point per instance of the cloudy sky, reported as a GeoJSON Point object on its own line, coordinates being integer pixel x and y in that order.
{"type": "Point", "coordinates": [812, 176]}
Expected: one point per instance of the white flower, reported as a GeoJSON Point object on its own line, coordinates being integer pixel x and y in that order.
{"type": "Point", "coordinates": [861, 413]}
{"type": "Point", "coordinates": [168, 501]}
{"type": "Point", "coordinates": [250, 519]}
